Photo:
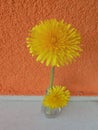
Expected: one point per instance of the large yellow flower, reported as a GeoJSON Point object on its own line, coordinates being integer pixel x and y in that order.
{"type": "Point", "coordinates": [54, 42]}
{"type": "Point", "coordinates": [57, 97]}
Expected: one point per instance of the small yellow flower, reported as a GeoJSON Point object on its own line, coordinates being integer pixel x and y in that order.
{"type": "Point", "coordinates": [57, 97]}
{"type": "Point", "coordinates": [54, 42]}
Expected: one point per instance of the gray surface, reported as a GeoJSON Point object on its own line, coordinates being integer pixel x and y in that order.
{"type": "Point", "coordinates": [26, 115]}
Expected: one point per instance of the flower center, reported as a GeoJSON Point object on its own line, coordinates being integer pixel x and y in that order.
{"type": "Point", "coordinates": [54, 42]}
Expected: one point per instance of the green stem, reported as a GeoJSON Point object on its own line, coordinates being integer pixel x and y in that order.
{"type": "Point", "coordinates": [52, 77]}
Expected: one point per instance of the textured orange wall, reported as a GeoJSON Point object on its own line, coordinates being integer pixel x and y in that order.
{"type": "Point", "coordinates": [20, 74]}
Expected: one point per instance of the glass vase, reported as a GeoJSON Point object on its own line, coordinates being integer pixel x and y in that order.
{"type": "Point", "coordinates": [51, 113]}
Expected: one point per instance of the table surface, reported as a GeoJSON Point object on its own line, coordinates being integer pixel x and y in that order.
{"type": "Point", "coordinates": [27, 115]}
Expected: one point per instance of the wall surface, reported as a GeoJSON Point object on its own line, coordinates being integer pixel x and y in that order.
{"type": "Point", "coordinates": [20, 74]}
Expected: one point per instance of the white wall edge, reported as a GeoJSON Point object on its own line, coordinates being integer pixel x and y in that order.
{"type": "Point", "coordinates": [39, 98]}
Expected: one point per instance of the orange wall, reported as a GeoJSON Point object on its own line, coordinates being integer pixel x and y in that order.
{"type": "Point", "coordinates": [20, 74]}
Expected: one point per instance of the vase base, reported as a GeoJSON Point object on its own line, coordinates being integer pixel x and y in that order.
{"type": "Point", "coordinates": [51, 113]}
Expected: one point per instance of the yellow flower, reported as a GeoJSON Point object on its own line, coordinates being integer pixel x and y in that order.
{"type": "Point", "coordinates": [54, 42]}
{"type": "Point", "coordinates": [57, 97]}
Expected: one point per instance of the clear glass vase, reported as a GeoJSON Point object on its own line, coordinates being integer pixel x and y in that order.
{"type": "Point", "coordinates": [51, 113]}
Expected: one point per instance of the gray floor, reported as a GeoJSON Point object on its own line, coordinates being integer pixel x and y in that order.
{"type": "Point", "coordinates": [27, 115]}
